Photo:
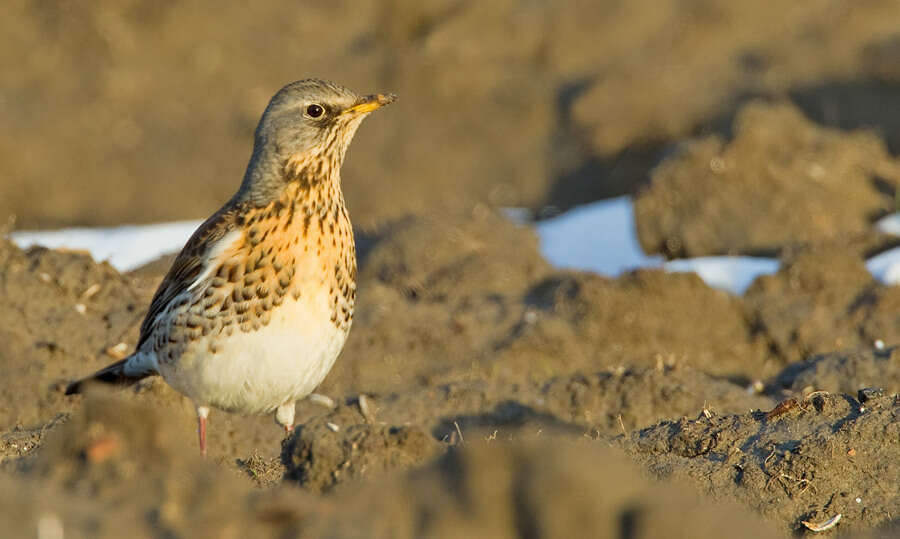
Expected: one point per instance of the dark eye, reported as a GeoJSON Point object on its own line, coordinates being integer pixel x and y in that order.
{"type": "Point", "coordinates": [314, 111]}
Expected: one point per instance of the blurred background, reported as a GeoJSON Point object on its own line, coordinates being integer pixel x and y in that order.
{"type": "Point", "coordinates": [133, 111]}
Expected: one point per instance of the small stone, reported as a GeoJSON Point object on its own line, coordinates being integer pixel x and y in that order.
{"type": "Point", "coordinates": [103, 448]}
{"type": "Point", "coordinates": [119, 351]}
{"type": "Point", "coordinates": [91, 291]}
{"type": "Point", "coordinates": [322, 400]}
{"type": "Point", "coordinates": [869, 393]}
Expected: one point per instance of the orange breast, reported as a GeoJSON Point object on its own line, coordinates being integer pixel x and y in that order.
{"type": "Point", "coordinates": [299, 244]}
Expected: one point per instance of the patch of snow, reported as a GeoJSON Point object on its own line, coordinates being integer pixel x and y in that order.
{"type": "Point", "coordinates": [519, 216]}
{"type": "Point", "coordinates": [601, 237]}
{"type": "Point", "coordinates": [598, 237]}
{"type": "Point", "coordinates": [730, 273]}
{"type": "Point", "coordinates": [885, 267]}
{"type": "Point", "coordinates": [125, 247]}
{"type": "Point", "coordinates": [889, 224]}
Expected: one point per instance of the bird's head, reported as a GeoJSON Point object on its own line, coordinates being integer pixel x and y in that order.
{"type": "Point", "coordinates": [312, 122]}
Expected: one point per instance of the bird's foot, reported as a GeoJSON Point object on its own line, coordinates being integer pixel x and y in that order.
{"type": "Point", "coordinates": [284, 416]}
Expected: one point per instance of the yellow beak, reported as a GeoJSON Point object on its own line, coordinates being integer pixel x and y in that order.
{"type": "Point", "coordinates": [369, 103]}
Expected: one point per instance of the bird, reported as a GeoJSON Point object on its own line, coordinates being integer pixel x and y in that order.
{"type": "Point", "coordinates": [258, 304]}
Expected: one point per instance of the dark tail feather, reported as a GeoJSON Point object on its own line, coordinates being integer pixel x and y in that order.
{"type": "Point", "coordinates": [113, 374]}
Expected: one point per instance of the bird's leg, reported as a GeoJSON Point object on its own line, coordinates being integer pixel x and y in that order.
{"type": "Point", "coordinates": [284, 416]}
{"type": "Point", "coordinates": [202, 414]}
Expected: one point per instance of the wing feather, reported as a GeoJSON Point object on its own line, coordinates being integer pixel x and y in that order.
{"type": "Point", "coordinates": [195, 260]}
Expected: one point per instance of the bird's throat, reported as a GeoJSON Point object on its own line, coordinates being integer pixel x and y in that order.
{"type": "Point", "coordinates": [312, 171]}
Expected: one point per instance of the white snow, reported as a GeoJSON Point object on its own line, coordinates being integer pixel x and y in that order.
{"type": "Point", "coordinates": [601, 237]}
{"type": "Point", "coordinates": [886, 266]}
{"type": "Point", "coordinates": [889, 224]}
{"type": "Point", "coordinates": [125, 247]}
{"type": "Point", "coordinates": [731, 273]}
{"type": "Point", "coordinates": [598, 237]}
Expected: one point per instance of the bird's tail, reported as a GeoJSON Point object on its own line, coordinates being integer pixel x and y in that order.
{"type": "Point", "coordinates": [126, 372]}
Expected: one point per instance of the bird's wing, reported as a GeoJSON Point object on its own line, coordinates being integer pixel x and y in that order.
{"type": "Point", "coordinates": [196, 261]}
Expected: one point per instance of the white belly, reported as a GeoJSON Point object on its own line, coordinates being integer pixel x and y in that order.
{"type": "Point", "coordinates": [257, 371]}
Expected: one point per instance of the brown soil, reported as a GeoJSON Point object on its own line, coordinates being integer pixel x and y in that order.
{"type": "Point", "coordinates": [781, 181]}
{"type": "Point", "coordinates": [482, 392]}
{"type": "Point", "coordinates": [809, 459]}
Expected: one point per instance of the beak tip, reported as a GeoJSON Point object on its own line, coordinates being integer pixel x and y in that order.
{"type": "Point", "coordinates": [371, 102]}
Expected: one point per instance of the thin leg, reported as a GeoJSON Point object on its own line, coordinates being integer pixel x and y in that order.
{"type": "Point", "coordinates": [202, 414]}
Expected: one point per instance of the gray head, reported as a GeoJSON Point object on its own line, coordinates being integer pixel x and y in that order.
{"type": "Point", "coordinates": [304, 134]}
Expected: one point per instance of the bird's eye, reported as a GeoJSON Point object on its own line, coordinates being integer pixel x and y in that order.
{"type": "Point", "coordinates": [314, 111]}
